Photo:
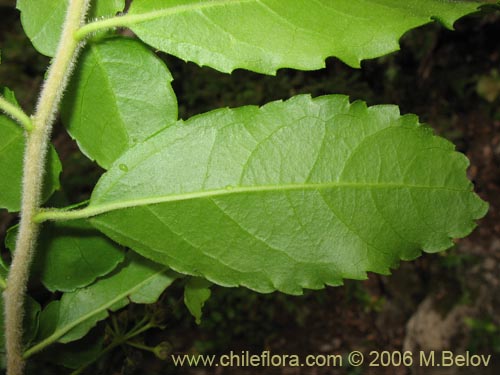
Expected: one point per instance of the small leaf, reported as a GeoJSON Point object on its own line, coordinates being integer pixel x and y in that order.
{"type": "Point", "coordinates": [109, 107]}
{"type": "Point", "coordinates": [196, 293]}
{"type": "Point", "coordinates": [48, 320]}
{"type": "Point", "coordinates": [106, 8]}
{"type": "Point", "coordinates": [265, 35]}
{"type": "Point", "coordinates": [68, 247]}
{"type": "Point", "coordinates": [31, 319]}
{"type": "Point", "coordinates": [12, 142]}
{"type": "Point", "coordinates": [4, 270]}
{"type": "Point", "coordinates": [42, 20]}
{"type": "Point", "coordinates": [69, 319]}
{"type": "Point", "coordinates": [292, 195]}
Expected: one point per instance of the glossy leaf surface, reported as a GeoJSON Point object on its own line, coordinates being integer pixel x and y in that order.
{"type": "Point", "coordinates": [265, 35]}
{"type": "Point", "coordinates": [119, 96]}
{"type": "Point", "coordinates": [42, 20]}
{"type": "Point", "coordinates": [292, 195]}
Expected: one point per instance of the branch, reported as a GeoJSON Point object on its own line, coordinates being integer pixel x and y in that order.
{"type": "Point", "coordinates": [33, 171]}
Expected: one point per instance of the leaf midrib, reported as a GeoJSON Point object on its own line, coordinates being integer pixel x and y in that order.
{"type": "Point", "coordinates": [152, 15]}
{"type": "Point", "coordinates": [94, 209]}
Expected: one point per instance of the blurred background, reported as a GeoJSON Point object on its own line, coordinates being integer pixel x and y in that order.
{"type": "Point", "coordinates": [447, 301]}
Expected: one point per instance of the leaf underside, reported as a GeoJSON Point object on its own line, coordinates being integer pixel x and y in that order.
{"type": "Point", "coordinates": [196, 293]}
{"type": "Point", "coordinates": [43, 20]}
{"type": "Point", "coordinates": [265, 35]}
{"type": "Point", "coordinates": [292, 195]}
{"type": "Point", "coordinates": [70, 255]}
{"type": "Point", "coordinates": [138, 280]}
{"type": "Point", "coordinates": [119, 96]}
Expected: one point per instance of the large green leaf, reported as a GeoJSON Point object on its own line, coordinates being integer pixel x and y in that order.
{"type": "Point", "coordinates": [288, 196]}
{"type": "Point", "coordinates": [67, 247]}
{"type": "Point", "coordinates": [119, 96]}
{"type": "Point", "coordinates": [12, 142]}
{"type": "Point", "coordinates": [42, 20]}
{"type": "Point", "coordinates": [69, 319]}
{"type": "Point", "coordinates": [264, 35]}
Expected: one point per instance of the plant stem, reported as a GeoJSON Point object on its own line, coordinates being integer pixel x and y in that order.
{"type": "Point", "coordinates": [141, 346]}
{"type": "Point", "coordinates": [33, 170]}
{"type": "Point", "coordinates": [16, 113]}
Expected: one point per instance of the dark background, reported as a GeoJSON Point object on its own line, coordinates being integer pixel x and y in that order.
{"type": "Point", "coordinates": [447, 301]}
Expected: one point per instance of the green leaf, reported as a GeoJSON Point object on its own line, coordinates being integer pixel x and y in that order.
{"type": "Point", "coordinates": [4, 271]}
{"type": "Point", "coordinates": [67, 247]}
{"type": "Point", "coordinates": [109, 107]}
{"type": "Point", "coordinates": [292, 195]}
{"type": "Point", "coordinates": [106, 8]}
{"type": "Point", "coordinates": [69, 319]}
{"type": "Point", "coordinates": [42, 20]}
{"type": "Point", "coordinates": [265, 35]}
{"type": "Point", "coordinates": [48, 320]}
{"type": "Point", "coordinates": [196, 293]}
{"type": "Point", "coordinates": [31, 319]}
{"type": "Point", "coordinates": [72, 355]}
{"type": "Point", "coordinates": [12, 142]}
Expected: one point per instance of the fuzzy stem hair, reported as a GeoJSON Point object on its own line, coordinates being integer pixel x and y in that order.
{"type": "Point", "coordinates": [16, 114]}
{"type": "Point", "coordinates": [33, 171]}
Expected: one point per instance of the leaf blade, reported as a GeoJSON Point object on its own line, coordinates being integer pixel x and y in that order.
{"type": "Point", "coordinates": [42, 20]}
{"type": "Point", "coordinates": [304, 32]}
{"type": "Point", "coordinates": [292, 195]}
{"type": "Point", "coordinates": [66, 247]}
{"type": "Point", "coordinates": [107, 109]}
{"type": "Point", "coordinates": [77, 312]}
{"type": "Point", "coordinates": [196, 293]}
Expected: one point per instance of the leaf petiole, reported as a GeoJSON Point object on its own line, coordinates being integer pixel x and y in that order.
{"type": "Point", "coordinates": [16, 114]}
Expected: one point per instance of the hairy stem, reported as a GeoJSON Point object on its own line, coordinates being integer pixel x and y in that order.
{"type": "Point", "coordinates": [33, 170]}
{"type": "Point", "coordinates": [16, 113]}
